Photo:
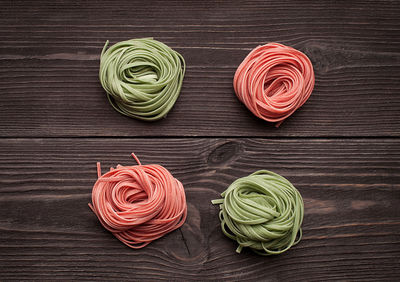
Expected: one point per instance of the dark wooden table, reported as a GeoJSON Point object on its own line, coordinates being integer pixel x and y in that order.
{"type": "Point", "coordinates": [341, 149]}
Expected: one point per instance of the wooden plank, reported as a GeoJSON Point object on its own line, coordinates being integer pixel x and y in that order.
{"type": "Point", "coordinates": [50, 50]}
{"type": "Point", "coordinates": [350, 188]}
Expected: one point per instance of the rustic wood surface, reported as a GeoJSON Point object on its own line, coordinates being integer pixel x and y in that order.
{"type": "Point", "coordinates": [50, 57]}
{"type": "Point", "coordinates": [341, 149]}
{"type": "Point", "coordinates": [350, 189]}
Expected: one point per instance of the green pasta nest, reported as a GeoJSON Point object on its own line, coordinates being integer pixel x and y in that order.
{"type": "Point", "coordinates": [142, 77]}
{"type": "Point", "coordinates": [262, 211]}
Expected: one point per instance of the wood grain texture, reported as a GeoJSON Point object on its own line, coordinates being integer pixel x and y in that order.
{"type": "Point", "coordinates": [55, 123]}
{"type": "Point", "coordinates": [351, 190]}
{"type": "Point", "coordinates": [49, 60]}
